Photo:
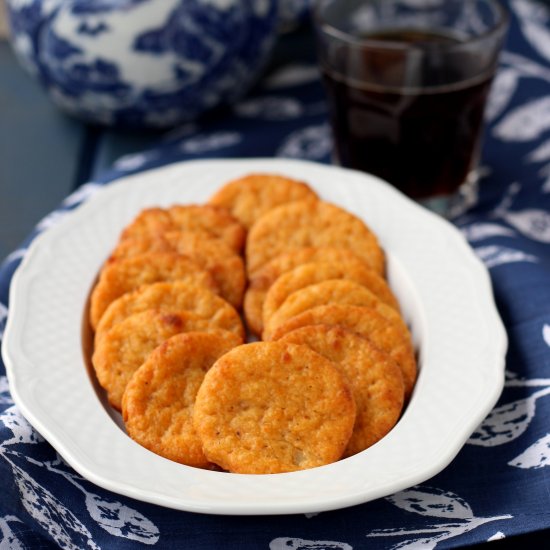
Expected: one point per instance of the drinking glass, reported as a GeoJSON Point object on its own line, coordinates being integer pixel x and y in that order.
{"type": "Point", "coordinates": [407, 82]}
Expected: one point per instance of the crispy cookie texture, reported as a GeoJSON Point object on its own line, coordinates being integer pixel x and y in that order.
{"type": "Point", "coordinates": [175, 296]}
{"type": "Point", "coordinates": [157, 405]}
{"type": "Point", "coordinates": [309, 223]}
{"type": "Point", "coordinates": [334, 291]}
{"type": "Point", "coordinates": [261, 281]}
{"type": "Point", "coordinates": [376, 380]}
{"type": "Point", "coordinates": [128, 274]}
{"type": "Point", "coordinates": [212, 255]}
{"type": "Point", "coordinates": [123, 349]}
{"type": "Point", "coordinates": [150, 220]}
{"type": "Point", "coordinates": [216, 222]}
{"type": "Point", "coordinates": [251, 196]}
{"type": "Point", "coordinates": [271, 407]}
{"type": "Point", "coordinates": [387, 332]}
{"type": "Point", "coordinates": [317, 272]}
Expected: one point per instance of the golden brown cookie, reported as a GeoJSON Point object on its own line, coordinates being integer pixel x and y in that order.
{"type": "Point", "coordinates": [306, 223]}
{"type": "Point", "coordinates": [261, 280]}
{"type": "Point", "coordinates": [317, 272]}
{"type": "Point", "coordinates": [128, 274]}
{"type": "Point", "coordinates": [251, 196]}
{"type": "Point", "coordinates": [150, 220]}
{"type": "Point", "coordinates": [213, 255]}
{"type": "Point", "coordinates": [216, 222]}
{"type": "Point", "coordinates": [122, 350]}
{"type": "Point", "coordinates": [376, 380]}
{"type": "Point", "coordinates": [173, 296]}
{"type": "Point", "coordinates": [157, 405]}
{"type": "Point", "coordinates": [335, 291]}
{"type": "Point", "coordinates": [388, 333]}
{"type": "Point", "coordinates": [270, 407]}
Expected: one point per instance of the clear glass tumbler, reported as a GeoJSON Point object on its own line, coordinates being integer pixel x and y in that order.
{"type": "Point", "coordinates": [407, 82]}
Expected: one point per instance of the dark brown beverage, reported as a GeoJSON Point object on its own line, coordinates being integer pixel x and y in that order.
{"type": "Point", "coordinates": [423, 137]}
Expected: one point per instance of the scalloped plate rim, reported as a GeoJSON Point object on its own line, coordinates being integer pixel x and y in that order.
{"type": "Point", "coordinates": [249, 507]}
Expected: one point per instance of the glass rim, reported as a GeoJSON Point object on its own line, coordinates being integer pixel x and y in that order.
{"type": "Point", "coordinates": [387, 45]}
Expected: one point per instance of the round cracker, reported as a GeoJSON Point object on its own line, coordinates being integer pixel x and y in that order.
{"type": "Point", "coordinates": [123, 349]}
{"type": "Point", "coordinates": [213, 255]}
{"type": "Point", "coordinates": [176, 296]}
{"type": "Point", "coordinates": [157, 405]}
{"type": "Point", "coordinates": [261, 281]}
{"type": "Point", "coordinates": [386, 332]}
{"type": "Point", "coordinates": [335, 291]}
{"type": "Point", "coordinates": [250, 197]}
{"type": "Point", "coordinates": [310, 223]}
{"type": "Point", "coordinates": [149, 221]}
{"type": "Point", "coordinates": [375, 379]}
{"type": "Point", "coordinates": [317, 272]}
{"type": "Point", "coordinates": [217, 222]}
{"type": "Point", "coordinates": [128, 274]}
{"type": "Point", "coordinates": [270, 407]}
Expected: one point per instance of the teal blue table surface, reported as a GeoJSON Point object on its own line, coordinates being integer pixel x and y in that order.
{"type": "Point", "coordinates": [45, 154]}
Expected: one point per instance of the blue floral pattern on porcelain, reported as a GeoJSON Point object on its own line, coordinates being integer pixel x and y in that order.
{"type": "Point", "coordinates": [143, 63]}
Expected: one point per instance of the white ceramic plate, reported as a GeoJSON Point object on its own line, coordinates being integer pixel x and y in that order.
{"type": "Point", "coordinates": [445, 294]}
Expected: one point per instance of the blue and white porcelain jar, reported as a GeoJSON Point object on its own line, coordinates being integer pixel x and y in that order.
{"type": "Point", "coordinates": [143, 63]}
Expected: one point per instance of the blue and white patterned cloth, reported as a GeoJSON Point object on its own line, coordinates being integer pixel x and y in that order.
{"type": "Point", "coordinates": [497, 486]}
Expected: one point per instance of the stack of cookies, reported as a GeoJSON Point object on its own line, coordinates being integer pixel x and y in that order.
{"type": "Point", "coordinates": [335, 364]}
